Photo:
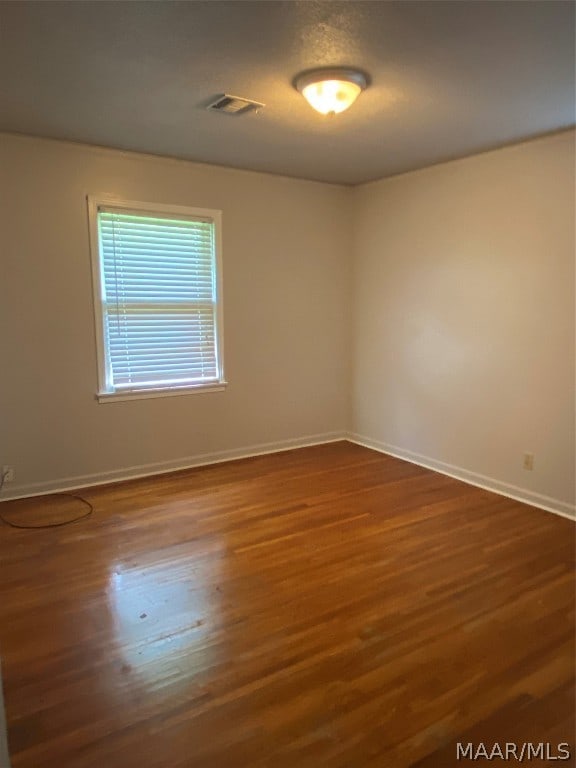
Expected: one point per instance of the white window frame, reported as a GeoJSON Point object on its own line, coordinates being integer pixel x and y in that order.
{"type": "Point", "coordinates": [105, 393]}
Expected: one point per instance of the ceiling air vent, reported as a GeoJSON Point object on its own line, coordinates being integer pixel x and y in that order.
{"type": "Point", "coordinates": [234, 105]}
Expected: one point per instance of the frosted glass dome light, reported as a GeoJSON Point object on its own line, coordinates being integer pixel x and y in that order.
{"type": "Point", "coordinates": [330, 91]}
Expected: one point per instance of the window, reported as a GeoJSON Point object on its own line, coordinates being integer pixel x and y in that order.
{"type": "Point", "coordinates": [156, 273]}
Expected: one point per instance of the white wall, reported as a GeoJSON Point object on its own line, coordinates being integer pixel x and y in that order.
{"type": "Point", "coordinates": [286, 323]}
{"type": "Point", "coordinates": [461, 278]}
{"type": "Point", "coordinates": [464, 317]}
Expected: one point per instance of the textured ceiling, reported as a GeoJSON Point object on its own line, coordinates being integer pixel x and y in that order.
{"type": "Point", "coordinates": [448, 79]}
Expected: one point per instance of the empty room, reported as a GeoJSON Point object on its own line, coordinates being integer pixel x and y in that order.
{"type": "Point", "coordinates": [287, 423]}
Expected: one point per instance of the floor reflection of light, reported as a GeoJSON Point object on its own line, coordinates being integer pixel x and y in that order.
{"type": "Point", "coordinates": [162, 615]}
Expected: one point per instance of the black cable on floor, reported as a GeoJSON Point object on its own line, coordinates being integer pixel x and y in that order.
{"type": "Point", "coordinates": [51, 525]}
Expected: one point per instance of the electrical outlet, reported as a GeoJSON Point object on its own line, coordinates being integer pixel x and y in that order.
{"type": "Point", "coordinates": [8, 473]}
{"type": "Point", "coordinates": [529, 461]}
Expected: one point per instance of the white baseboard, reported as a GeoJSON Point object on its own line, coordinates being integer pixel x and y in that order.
{"type": "Point", "coordinates": [163, 467]}
{"type": "Point", "coordinates": [472, 478]}
{"type": "Point", "coordinates": [158, 468]}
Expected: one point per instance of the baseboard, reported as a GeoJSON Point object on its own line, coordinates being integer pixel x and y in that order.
{"type": "Point", "coordinates": [160, 468]}
{"type": "Point", "coordinates": [472, 478]}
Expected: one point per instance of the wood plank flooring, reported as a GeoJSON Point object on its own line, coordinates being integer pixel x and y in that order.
{"type": "Point", "coordinates": [322, 607]}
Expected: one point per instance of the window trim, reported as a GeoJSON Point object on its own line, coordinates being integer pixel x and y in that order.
{"type": "Point", "coordinates": [104, 394]}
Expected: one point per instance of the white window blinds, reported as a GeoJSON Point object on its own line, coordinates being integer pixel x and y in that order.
{"type": "Point", "coordinates": [158, 287]}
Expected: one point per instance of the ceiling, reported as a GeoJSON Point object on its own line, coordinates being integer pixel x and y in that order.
{"type": "Point", "coordinates": [448, 79]}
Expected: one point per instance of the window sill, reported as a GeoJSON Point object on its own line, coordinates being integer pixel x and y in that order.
{"type": "Point", "coordinates": [147, 394]}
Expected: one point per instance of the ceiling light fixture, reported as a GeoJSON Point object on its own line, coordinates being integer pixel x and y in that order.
{"type": "Point", "coordinates": [330, 91]}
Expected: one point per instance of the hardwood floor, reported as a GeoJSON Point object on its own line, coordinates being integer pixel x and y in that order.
{"type": "Point", "coordinates": [327, 606]}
